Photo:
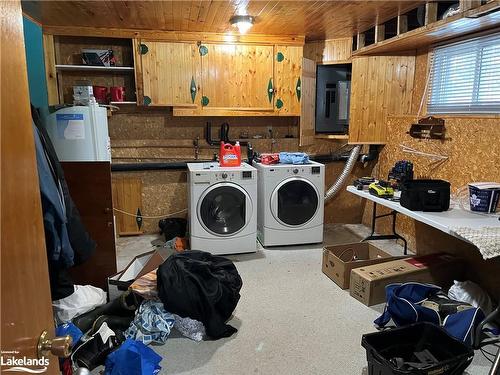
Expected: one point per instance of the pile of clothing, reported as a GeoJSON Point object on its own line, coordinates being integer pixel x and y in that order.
{"type": "Point", "coordinates": [284, 158]}
{"type": "Point", "coordinates": [193, 292]}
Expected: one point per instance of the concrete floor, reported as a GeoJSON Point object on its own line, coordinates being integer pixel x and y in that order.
{"type": "Point", "coordinates": [291, 318]}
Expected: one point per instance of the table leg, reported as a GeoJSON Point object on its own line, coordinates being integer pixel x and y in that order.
{"type": "Point", "coordinates": [393, 236]}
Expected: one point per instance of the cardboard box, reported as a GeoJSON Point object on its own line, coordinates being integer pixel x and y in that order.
{"type": "Point", "coordinates": [139, 266]}
{"type": "Point", "coordinates": [368, 283]}
{"type": "Point", "coordinates": [339, 260]}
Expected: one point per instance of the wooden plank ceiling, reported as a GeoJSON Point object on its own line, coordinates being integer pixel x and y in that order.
{"type": "Point", "coordinates": [314, 19]}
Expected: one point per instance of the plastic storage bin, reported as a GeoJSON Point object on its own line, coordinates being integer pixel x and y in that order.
{"type": "Point", "coordinates": [386, 351]}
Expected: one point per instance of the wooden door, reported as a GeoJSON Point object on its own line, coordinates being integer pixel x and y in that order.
{"type": "Point", "coordinates": [307, 103]}
{"type": "Point", "coordinates": [89, 184]}
{"type": "Point", "coordinates": [381, 85]}
{"type": "Point", "coordinates": [237, 77]}
{"type": "Point", "coordinates": [170, 73]}
{"type": "Point", "coordinates": [127, 196]}
{"type": "Point", "coordinates": [288, 76]}
{"type": "Point", "coordinates": [26, 307]}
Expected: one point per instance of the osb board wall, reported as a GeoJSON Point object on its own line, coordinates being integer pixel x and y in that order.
{"type": "Point", "coordinates": [473, 156]}
{"type": "Point", "coordinates": [154, 135]}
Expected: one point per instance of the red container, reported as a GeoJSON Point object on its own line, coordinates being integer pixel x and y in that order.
{"type": "Point", "coordinates": [229, 155]}
{"type": "Point", "coordinates": [117, 94]}
{"type": "Point", "coordinates": [100, 94]}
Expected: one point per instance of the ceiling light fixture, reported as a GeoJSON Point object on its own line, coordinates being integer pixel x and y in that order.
{"type": "Point", "coordinates": [243, 23]}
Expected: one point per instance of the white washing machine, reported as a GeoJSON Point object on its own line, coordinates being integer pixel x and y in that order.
{"type": "Point", "coordinates": [222, 208]}
{"type": "Point", "coordinates": [291, 203]}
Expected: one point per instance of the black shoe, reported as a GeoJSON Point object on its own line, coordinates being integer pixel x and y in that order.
{"type": "Point", "coordinates": [125, 305]}
{"type": "Point", "coordinates": [120, 323]}
{"type": "Point", "coordinates": [93, 352]}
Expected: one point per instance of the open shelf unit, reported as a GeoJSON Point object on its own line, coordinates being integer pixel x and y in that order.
{"type": "Point", "coordinates": [95, 68]}
{"type": "Point", "coordinates": [68, 69]}
{"type": "Point", "coordinates": [466, 22]}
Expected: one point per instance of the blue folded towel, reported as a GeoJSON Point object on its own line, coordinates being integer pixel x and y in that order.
{"type": "Point", "coordinates": [294, 158]}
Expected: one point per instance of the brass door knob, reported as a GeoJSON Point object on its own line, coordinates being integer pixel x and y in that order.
{"type": "Point", "coordinates": [58, 346]}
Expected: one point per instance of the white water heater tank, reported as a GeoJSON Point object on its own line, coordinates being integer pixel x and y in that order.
{"type": "Point", "coordinates": [80, 133]}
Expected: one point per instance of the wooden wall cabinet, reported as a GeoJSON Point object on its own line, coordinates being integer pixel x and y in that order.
{"type": "Point", "coordinates": [288, 80]}
{"type": "Point", "coordinates": [237, 77]}
{"type": "Point", "coordinates": [170, 73]}
{"type": "Point", "coordinates": [381, 85]}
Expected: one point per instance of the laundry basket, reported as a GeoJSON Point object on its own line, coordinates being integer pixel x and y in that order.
{"type": "Point", "coordinates": [417, 349]}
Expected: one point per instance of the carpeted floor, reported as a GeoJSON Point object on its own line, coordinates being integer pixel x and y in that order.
{"type": "Point", "coordinates": [291, 318]}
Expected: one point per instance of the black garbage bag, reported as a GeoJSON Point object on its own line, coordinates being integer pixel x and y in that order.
{"type": "Point", "coordinates": [201, 286]}
{"type": "Point", "coordinates": [173, 227]}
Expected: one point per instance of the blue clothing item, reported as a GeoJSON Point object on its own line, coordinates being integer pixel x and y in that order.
{"type": "Point", "coordinates": [404, 306]}
{"type": "Point", "coordinates": [59, 248]}
{"type": "Point", "coordinates": [133, 358]}
{"type": "Point", "coordinates": [294, 158]}
{"type": "Point", "coordinates": [69, 329]}
{"type": "Point", "coordinates": [152, 324]}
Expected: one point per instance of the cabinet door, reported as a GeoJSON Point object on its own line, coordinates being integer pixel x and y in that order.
{"type": "Point", "coordinates": [307, 103]}
{"type": "Point", "coordinates": [170, 73]}
{"type": "Point", "coordinates": [288, 70]}
{"type": "Point", "coordinates": [381, 85]}
{"type": "Point", "coordinates": [237, 77]}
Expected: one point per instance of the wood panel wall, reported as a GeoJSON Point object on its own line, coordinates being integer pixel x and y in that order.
{"type": "Point", "coordinates": [381, 85]}
{"type": "Point", "coordinates": [329, 51]}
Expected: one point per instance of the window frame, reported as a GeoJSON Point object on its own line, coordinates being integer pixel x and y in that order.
{"type": "Point", "coordinates": [474, 106]}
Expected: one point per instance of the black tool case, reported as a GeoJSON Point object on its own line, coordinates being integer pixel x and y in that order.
{"type": "Point", "coordinates": [399, 351]}
{"type": "Point", "coordinates": [425, 195]}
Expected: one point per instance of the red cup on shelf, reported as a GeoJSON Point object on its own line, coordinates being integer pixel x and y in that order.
{"type": "Point", "coordinates": [117, 94]}
{"type": "Point", "coordinates": [100, 94]}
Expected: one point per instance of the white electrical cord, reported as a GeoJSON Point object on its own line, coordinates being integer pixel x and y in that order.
{"type": "Point", "coordinates": [149, 217]}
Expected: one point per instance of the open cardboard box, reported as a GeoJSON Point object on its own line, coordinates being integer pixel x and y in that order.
{"type": "Point", "coordinates": [139, 266]}
{"type": "Point", "coordinates": [339, 260]}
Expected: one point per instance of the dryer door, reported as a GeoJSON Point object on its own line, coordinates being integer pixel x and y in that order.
{"type": "Point", "coordinates": [295, 201]}
{"type": "Point", "coordinates": [224, 209]}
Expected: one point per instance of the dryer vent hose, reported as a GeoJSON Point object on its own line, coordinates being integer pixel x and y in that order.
{"type": "Point", "coordinates": [341, 180]}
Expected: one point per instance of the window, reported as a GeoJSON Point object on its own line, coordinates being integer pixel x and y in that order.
{"type": "Point", "coordinates": [465, 77]}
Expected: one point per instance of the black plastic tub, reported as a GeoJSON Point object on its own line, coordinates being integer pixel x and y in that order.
{"type": "Point", "coordinates": [401, 350]}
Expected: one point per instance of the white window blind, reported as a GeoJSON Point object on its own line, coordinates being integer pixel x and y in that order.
{"type": "Point", "coordinates": [465, 77]}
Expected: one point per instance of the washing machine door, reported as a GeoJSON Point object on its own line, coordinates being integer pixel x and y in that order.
{"type": "Point", "coordinates": [294, 202]}
{"type": "Point", "coordinates": [224, 209]}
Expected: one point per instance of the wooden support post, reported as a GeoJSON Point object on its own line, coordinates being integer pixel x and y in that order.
{"type": "Point", "coordinates": [50, 69]}
{"type": "Point", "coordinates": [431, 12]}
{"type": "Point", "coordinates": [361, 40]}
{"type": "Point", "coordinates": [379, 33]}
{"type": "Point", "coordinates": [402, 24]}
{"type": "Point", "coordinates": [469, 4]}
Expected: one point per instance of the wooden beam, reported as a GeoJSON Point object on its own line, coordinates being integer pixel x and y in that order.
{"type": "Point", "coordinates": [50, 69]}
{"type": "Point", "coordinates": [175, 36]}
{"type": "Point", "coordinates": [379, 33]}
{"type": "Point", "coordinates": [361, 40]}
{"type": "Point", "coordinates": [431, 12]}
{"type": "Point", "coordinates": [402, 26]}
{"type": "Point", "coordinates": [469, 4]}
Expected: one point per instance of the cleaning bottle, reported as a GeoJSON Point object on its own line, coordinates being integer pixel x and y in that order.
{"type": "Point", "coordinates": [229, 155]}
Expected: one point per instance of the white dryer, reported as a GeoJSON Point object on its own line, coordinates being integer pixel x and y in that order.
{"type": "Point", "coordinates": [222, 208]}
{"type": "Point", "coordinates": [291, 203]}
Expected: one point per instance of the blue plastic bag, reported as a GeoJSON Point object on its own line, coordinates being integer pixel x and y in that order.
{"type": "Point", "coordinates": [69, 329]}
{"type": "Point", "coordinates": [133, 358]}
